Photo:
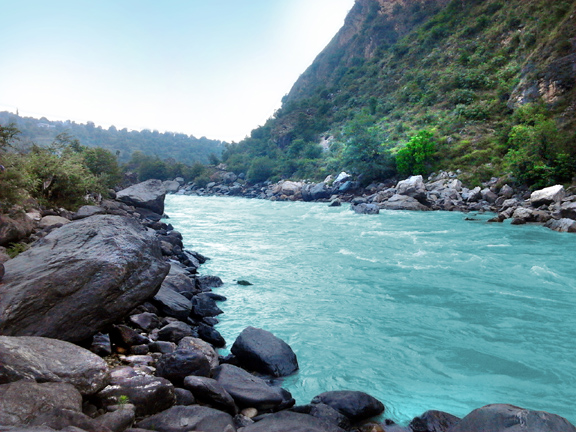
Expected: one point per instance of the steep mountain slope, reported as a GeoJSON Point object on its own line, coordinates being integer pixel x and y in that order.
{"type": "Point", "coordinates": [494, 80]}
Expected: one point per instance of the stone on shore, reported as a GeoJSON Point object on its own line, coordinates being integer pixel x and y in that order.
{"type": "Point", "coordinates": [196, 344]}
{"type": "Point", "coordinates": [149, 195]}
{"type": "Point", "coordinates": [172, 303]}
{"type": "Point", "coordinates": [434, 421]}
{"type": "Point", "coordinates": [181, 363]}
{"type": "Point", "coordinates": [22, 401]}
{"type": "Point", "coordinates": [547, 195]}
{"type": "Point", "coordinates": [562, 225]}
{"type": "Point", "coordinates": [80, 278]}
{"type": "Point", "coordinates": [147, 393]}
{"type": "Point", "coordinates": [403, 202]}
{"type": "Point", "coordinates": [260, 351]}
{"type": "Point", "coordinates": [189, 418]}
{"type": "Point", "coordinates": [209, 391]}
{"type": "Point", "coordinates": [287, 421]}
{"type": "Point", "coordinates": [355, 405]}
{"type": "Point", "coordinates": [15, 227]}
{"type": "Point", "coordinates": [413, 187]}
{"type": "Point", "coordinates": [366, 208]}
{"type": "Point", "coordinates": [248, 390]}
{"type": "Point", "coordinates": [51, 360]}
{"type": "Point", "coordinates": [509, 418]}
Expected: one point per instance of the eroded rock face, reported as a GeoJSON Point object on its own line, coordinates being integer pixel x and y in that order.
{"type": "Point", "coordinates": [80, 278]}
{"type": "Point", "coordinates": [51, 360]}
{"type": "Point", "coordinates": [149, 195]}
{"type": "Point", "coordinates": [509, 418]}
{"type": "Point", "coordinates": [259, 350]}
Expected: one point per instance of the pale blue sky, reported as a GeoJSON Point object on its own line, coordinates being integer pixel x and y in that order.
{"type": "Point", "coordinates": [214, 68]}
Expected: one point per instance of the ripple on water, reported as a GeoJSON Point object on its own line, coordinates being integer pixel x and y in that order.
{"type": "Point", "coordinates": [421, 310]}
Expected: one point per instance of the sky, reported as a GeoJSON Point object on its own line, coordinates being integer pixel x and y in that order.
{"type": "Point", "coordinates": [213, 68]}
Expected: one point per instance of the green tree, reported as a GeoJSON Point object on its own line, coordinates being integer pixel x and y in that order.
{"type": "Point", "coordinates": [8, 134]}
{"type": "Point", "coordinates": [363, 149]}
{"type": "Point", "coordinates": [261, 169]}
{"type": "Point", "coordinates": [416, 156]}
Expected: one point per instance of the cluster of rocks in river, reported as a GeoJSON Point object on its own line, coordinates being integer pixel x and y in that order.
{"type": "Point", "coordinates": [554, 206]}
{"type": "Point", "coordinates": [106, 326]}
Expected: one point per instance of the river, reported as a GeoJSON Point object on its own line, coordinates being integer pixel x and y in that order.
{"type": "Point", "coordinates": [423, 310]}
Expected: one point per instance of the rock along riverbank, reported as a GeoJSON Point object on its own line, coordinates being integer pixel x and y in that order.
{"type": "Point", "coordinates": [107, 325]}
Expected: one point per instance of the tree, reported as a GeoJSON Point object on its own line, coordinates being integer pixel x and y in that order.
{"type": "Point", "coordinates": [363, 149]}
{"type": "Point", "coordinates": [8, 134]}
{"type": "Point", "coordinates": [416, 156]}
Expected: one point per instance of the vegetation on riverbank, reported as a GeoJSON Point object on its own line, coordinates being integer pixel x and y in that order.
{"type": "Point", "coordinates": [491, 82]}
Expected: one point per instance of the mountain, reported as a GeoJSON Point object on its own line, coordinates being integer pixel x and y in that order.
{"type": "Point", "coordinates": [491, 81]}
{"type": "Point", "coordinates": [179, 147]}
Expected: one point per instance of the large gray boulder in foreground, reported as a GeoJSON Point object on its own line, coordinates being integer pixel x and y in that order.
{"type": "Point", "coordinates": [80, 278]}
{"type": "Point", "coordinates": [509, 418]}
{"type": "Point", "coordinates": [260, 351]}
{"type": "Point", "coordinates": [149, 195]}
{"type": "Point", "coordinates": [51, 360]}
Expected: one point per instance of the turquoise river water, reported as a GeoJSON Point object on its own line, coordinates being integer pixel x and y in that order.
{"type": "Point", "coordinates": [421, 310]}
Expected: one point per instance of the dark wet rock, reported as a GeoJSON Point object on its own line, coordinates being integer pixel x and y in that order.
{"type": "Point", "coordinates": [328, 414]}
{"type": "Point", "coordinates": [51, 360]}
{"type": "Point", "coordinates": [204, 305]}
{"type": "Point", "coordinates": [149, 195]}
{"type": "Point", "coordinates": [22, 401]}
{"type": "Point", "coordinates": [147, 393]}
{"type": "Point", "coordinates": [259, 350]}
{"type": "Point", "coordinates": [355, 405]}
{"type": "Point", "coordinates": [206, 282]}
{"type": "Point", "coordinates": [568, 210]}
{"type": "Point", "coordinates": [365, 208]}
{"type": "Point", "coordinates": [139, 350]}
{"type": "Point", "coordinates": [434, 421]}
{"type": "Point", "coordinates": [80, 278]}
{"type": "Point", "coordinates": [147, 321]}
{"type": "Point", "coordinates": [172, 304]}
{"type": "Point", "coordinates": [209, 391]}
{"type": "Point", "coordinates": [184, 397]}
{"type": "Point", "coordinates": [117, 421]}
{"type": "Point", "coordinates": [181, 363]}
{"type": "Point", "coordinates": [179, 280]}
{"type": "Point", "coordinates": [196, 344]}
{"type": "Point", "coordinates": [506, 191]}
{"type": "Point", "coordinates": [124, 336]}
{"type": "Point", "coordinates": [402, 202]}
{"type": "Point", "coordinates": [101, 345]}
{"type": "Point", "coordinates": [58, 419]}
{"type": "Point", "coordinates": [244, 283]}
{"type": "Point", "coordinates": [216, 297]}
{"type": "Point", "coordinates": [319, 191]}
{"type": "Point", "coordinates": [246, 389]}
{"type": "Point", "coordinates": [163, 347]}
{"type": "Point", "coordinates": [189, 418]}
{"type": "Point", "coordinates": [175, 331]}
{"type": "Point", "coordinates": [287, 421]}
{"type": "Point", "coordinates": [211, 335]}
{"type": "Point", "coordinates": [549, 195]}
{"type": "Point", "coordinates": [562, 225]}
{"type": "Point", "coordinates": [508, 418]}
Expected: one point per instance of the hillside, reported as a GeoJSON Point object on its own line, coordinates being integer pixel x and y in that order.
{"type": "Point", "coordinates": [490, 85]}
{"type": "Point", "coordinates": [167, 145]}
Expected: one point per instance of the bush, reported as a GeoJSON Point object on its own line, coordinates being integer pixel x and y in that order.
{"type": "Point", "coordinates": [416, 157]}
{"type": "Point", "coordinates": [261, 169]}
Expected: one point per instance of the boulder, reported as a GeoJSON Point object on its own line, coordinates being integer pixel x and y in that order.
{"type": "Point", "coordinates": [181, 363]}
{"type": "Point", "coordinates": [562, 225]}
{"type": "Point", "coordinates": [50, 221]}
{"type": "Point", "coordinates": [319, 191]}
{"type": "Point", "coordinates": [147, 393]}
{"type": "Point", "coordinates": [171, 186]}
{"type": "Point", "coordinates": [172, 304]}
{"type": "Point", "coordinates": [175, 331]}
{"type": "Point", "coordinates": [61, 418]}
{"type": "Point", "coordinates": [80, 278]}
{"type": "Point", "coordinates": [413, 187]}
{"type": "Point", "coordinates": [506, 191]}
{"type": "Point", "coordinates": [117, 421]}
{"type": "Point", "coordinates": [434, 421]}
{"type": "Point", "coordinates": [259, 350]}
{"type": "Point", "coordinates": [290, 188]}
{"type": "Point", "coordinates": [15, 227]}
{"type": "Point", "coordinates": [184, 397]}
{"type": "Point", "coordinates": [246, 389]}
{"type": "Point", "coordinates": [547, 195]}
{"type": "Point", "coordinates": [195, 344]}
{"type": "Point", "coordinates": [355, 405]}
{"type": "Point", "coordinates": [189, 418]}
{"type": "Point", "coordinates": [287, 421]}
{"type": "Point", "coordinates": [147, 321]}
{"type": "Point", "coordinates": [22, 401]}
{"type": "Point", "coordinates": [51, 360]}
{"type": "Point", "coordinates": [508, 418]}
{"type": "Point", "coordinates": [87, 211]}
{"type": "Point", "coordinates": [206, 282]}
{"type": "Point", "coordinates": [211, 335]}
{"type": "Point", "coordinates": [403, 202]}
{"type": "Point", "coordinates": [209, 391]}
{"type": "Point", "coordinates": [149, 195]}
{"type": "Point", "coordinates": [488, 195]}
{"type": "Point", "coordinates": [568, 210]}
{"type": "Point", "coordinates": [203, 305]}
{"type": "Point", "coordinates": [365, 208]}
